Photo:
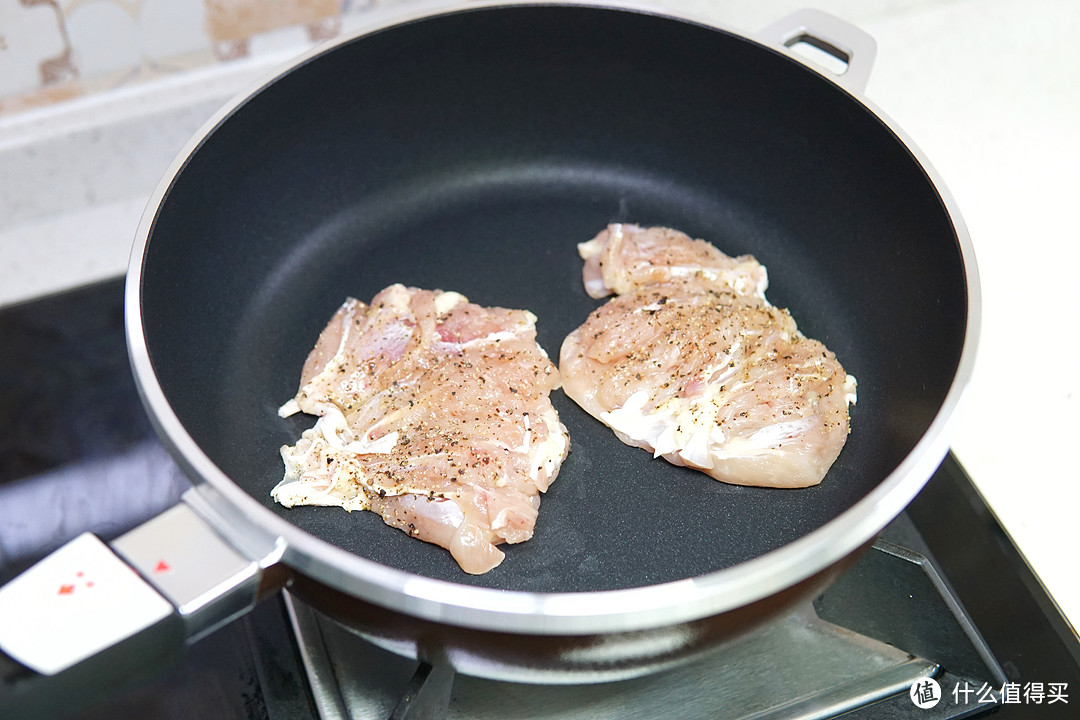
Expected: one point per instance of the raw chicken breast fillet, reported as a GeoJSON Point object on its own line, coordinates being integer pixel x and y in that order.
{"type": "Point", "coordinates": [690, 362]}
{"type": "Point", "coordinates": [434, 413]}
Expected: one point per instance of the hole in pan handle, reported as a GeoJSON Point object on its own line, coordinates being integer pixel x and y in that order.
{"type": "Point", "coordinates": [93, 617]}
{"type": "Point", "coordinates": [848, 51]}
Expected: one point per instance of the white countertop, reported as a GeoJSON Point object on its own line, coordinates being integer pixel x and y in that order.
{"type": "Point", "coordinates": [986, 88]}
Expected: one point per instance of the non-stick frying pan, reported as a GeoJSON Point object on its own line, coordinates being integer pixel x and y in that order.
{"type": "Point", "coordinates": [471, 151]}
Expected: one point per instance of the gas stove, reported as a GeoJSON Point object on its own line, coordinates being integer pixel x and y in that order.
{"type": "Point", "coordinates": [940, 618]}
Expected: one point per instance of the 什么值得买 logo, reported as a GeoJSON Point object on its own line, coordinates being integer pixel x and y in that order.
{"type": "Point", "coordinates": [925, 693]}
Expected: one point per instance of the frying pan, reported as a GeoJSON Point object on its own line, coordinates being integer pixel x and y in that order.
{"type": "Point", "coordinates": [471, 151]}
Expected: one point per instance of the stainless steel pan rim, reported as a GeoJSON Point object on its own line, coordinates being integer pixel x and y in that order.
{"type": "Point", "coordinates": [257, 530]}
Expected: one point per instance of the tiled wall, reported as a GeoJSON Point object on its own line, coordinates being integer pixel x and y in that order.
{"type": "Point", "coordinates": [52, 50]}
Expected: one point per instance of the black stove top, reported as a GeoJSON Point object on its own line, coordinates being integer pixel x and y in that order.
{"type": "Point", "coordinates": [77, 452]}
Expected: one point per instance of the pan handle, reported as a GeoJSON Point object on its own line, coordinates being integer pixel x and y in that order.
{"type": "Point", "coordinates": [851, 46]}
{"type": "Point", "coordinates": [73, 623]}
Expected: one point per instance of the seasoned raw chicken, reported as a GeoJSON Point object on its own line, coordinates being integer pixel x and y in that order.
{"type": "Point", "coordinates": [434, 413]}
{"type": "Point", "coordinates": [624, 258]}
{"type": "Point", "coordinates": [691, 362]}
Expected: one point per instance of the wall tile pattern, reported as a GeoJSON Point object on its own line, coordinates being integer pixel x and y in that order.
{"type": "Point", "coordinates": [52, 50]}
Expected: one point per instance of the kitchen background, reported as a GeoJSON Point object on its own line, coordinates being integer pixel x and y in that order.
{"type": "Point", "coordinates": [97, 96]}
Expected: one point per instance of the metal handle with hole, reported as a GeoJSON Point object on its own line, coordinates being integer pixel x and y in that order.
{"type": "Point", "coordinates": [828, 33]}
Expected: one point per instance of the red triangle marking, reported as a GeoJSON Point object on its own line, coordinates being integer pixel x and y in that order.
{"type": "Point", "coordinates": [162, 567]}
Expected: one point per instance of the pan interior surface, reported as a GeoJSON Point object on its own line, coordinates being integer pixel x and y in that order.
{"type": "Point", "coordinates": [472, 152]}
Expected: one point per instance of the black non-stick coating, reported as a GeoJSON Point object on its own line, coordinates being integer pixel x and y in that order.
{"type": "Point", "coordinates": [471, 152]}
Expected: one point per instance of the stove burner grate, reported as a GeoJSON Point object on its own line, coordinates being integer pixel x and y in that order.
{"type": "Point", "coordinates": [888, 623]}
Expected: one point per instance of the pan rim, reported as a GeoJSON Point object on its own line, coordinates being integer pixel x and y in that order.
{"type": "Point", "coordinates": [248, 524]}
